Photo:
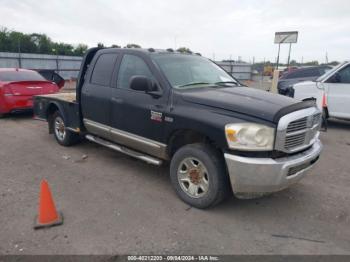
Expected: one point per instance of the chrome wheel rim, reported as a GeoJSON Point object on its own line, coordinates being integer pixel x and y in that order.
{"type": "Point", "coordinates": [60, 129]}
{"type": "Point", "coordinates": [193, 177]}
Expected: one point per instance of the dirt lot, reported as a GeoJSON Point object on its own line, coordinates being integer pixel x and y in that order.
{"type": "Point", "coordinates": [115, 204]}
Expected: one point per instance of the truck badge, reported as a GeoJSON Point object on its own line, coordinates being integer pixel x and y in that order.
{"type": "Point", "coordinates": [156, 116]}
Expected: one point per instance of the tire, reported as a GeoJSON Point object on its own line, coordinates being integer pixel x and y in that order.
{"type": "Point", "coordinates": [63, 136]}
{"type": "Point", "coordinates": [198, 175]}
{"type": "Point", "coordinates": [324, 125]}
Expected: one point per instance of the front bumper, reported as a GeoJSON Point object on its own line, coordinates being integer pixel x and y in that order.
{"type": "Point", "coordinates": [254, 177]}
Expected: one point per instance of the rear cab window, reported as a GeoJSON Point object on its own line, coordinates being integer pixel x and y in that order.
{"type": "Point", "coordinates": [103, 69]}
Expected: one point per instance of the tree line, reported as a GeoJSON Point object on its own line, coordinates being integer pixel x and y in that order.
{"type": "Point", "coordinates": [14, 41]}
{"type": "Point", "coordinates": [18, 42]}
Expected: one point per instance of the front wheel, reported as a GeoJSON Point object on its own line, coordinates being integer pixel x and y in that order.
{"type": "Point", "coordinates": [63, 136]}
{"type": "Point", "coordinates": [199, 176]}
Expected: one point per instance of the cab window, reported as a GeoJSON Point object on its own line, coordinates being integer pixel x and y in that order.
{"type": "Point", "coordinates": [130, 66]}
{"type": "Point", "coordinates": [103, 69]}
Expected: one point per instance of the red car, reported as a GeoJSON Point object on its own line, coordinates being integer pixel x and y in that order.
{"type": "Point", "coordinates": [18, 86]}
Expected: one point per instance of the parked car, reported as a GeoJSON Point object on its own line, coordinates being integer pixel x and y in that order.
{"type": "Point", "coordinates": [331, 91]}
{"type": "Point", "coordinates": [18, 86]}
{"type": "Point", "coordinates": [52, 76]}
{"type": "Point", "coordinates": [164, 106]}
{"type": "Point", "coordinates": [288, 70]}
{"type": "Point", "coordinates": [287, 80]}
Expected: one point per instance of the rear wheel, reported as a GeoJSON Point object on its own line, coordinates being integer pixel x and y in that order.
{"type": "Point", "coordinates": [63, 136]}
{"type": "Point", "coordinates": [198, 174]}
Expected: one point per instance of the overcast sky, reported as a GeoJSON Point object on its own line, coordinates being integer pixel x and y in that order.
{"type": "Point", "coordinates": [220, 28]}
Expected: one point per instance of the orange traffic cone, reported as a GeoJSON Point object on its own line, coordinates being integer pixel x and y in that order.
{"type": "Point", "coordinates": [48, 216]}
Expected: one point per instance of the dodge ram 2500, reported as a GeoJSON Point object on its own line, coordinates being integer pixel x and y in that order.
{"type": "Point", "coordinates": [162, 106]}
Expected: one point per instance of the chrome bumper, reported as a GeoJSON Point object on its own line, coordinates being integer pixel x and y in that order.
{"type": "Point", "coordinates": [254, 177]}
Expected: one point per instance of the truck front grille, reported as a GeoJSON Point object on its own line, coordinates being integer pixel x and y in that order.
{"type": "Point", "coordinates": [297, 125]}
{"type": "Point", "coordinates": [294, 141]}
{"type": "Point", "coordinates": [298, 130]}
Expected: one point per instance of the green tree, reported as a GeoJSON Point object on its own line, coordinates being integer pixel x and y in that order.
{"type": "Point", "coordinates": [80, 50]}
{"type": "Point", "coordinates": [43, 43]}
{"type": "Point", "coordinates": [62, 49]}
{"type": "Point", "coordinates": [22, 42]}
{"type": "Point", "coordinates": [293, 63]}
{"type": "Point", "coordinates": [311, 63]}
{"type": "Point", "coordinates": [334, 63]}
{"type": "Point", "coordinates": [4, 40]}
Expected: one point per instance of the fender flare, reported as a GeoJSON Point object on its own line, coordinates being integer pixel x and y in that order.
{"type": "Point", "coordinates": [60, 109]}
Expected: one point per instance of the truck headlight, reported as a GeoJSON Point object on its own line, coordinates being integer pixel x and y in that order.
{"type": "Point", "coordinates": [250, 137]}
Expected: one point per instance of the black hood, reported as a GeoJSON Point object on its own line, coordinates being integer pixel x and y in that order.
{"type": "Point", "coordinates": [245, 100]}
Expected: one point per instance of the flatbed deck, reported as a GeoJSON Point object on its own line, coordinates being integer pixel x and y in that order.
{"type": "Point", "coordinates": [67, 97]}
{"type": "Point", "coordinates": [66, 103]}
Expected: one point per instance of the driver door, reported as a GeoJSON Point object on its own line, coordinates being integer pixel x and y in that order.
{"type": "Point", "coordinates": [137, 117]}
{"type": "Point", "coordinates": [338, 93]}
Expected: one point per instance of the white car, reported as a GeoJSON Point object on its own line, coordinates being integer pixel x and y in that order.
{"type": "Point", "coordinates": [331, 91]}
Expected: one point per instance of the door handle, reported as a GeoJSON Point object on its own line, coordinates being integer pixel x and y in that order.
{"type": "Point", "coordinates": [117, 100]}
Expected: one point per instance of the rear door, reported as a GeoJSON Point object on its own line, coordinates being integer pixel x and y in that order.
{"type": "Point", "coordinates": [96, 94]}
{"type": "Point", "coordinates": [338, 93]}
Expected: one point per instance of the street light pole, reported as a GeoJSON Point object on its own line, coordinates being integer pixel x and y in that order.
{"type": "Point", "coordinates": [290, 48]}
{"type": "Point", "coordinates": [56, 51]}
{"type": "Point", "coordinates": [19, 53]}
{"type": "Point", "coordinates": [278, 55]}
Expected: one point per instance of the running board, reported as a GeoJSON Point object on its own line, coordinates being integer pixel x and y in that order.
{"type": "Point", "coordinates": [122, 149]}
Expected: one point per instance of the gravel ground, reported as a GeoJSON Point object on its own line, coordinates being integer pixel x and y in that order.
{"type": "Point", "coordinates": [114, 204]}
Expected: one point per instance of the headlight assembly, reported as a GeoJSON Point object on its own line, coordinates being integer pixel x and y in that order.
{"type": "Point", "coordinates": [250, 137]}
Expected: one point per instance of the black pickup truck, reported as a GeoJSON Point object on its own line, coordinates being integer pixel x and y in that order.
{"type": "Point", "coordinates": [162, 106]}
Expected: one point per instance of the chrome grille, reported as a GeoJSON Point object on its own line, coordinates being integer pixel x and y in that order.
{"type": "Point", "coordinates": [298, 130]}
{"type": "Point", "coordinates": [317, 119]}
{"type": "Point", "coordinates": [294, 141]}
{"type": "Point", "coordinates": [297, 125]}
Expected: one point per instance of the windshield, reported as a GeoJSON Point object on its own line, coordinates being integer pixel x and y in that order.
{"type": "Point", "coordinates": [189, 71]}
{"type": "Point", "coordinates": [329, 73]}
{"type": "Point", "coordinates": [11, 76]}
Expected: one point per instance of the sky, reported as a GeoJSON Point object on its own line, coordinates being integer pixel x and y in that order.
{"type": "Point", "coordinates": [218, 29]}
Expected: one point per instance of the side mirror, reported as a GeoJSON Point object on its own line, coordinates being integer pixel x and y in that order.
{"type": "Point", "coordinates": [336, 78]}
{"type": "Point", "coordinates": [143, 83]}
{"type": "Point", "coordinates": [140, 83]}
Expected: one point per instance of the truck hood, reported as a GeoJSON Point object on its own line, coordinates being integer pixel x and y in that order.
{"type": "Point", "coordinates": [304, 84]}
{"type": "Point", "coordinates": [244, 100]}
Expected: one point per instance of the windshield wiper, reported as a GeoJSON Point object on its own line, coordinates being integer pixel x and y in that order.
{"type": "Point", "coordinates": [227, 82]}
{"type": "Point", "coordinates": [194, 83]}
